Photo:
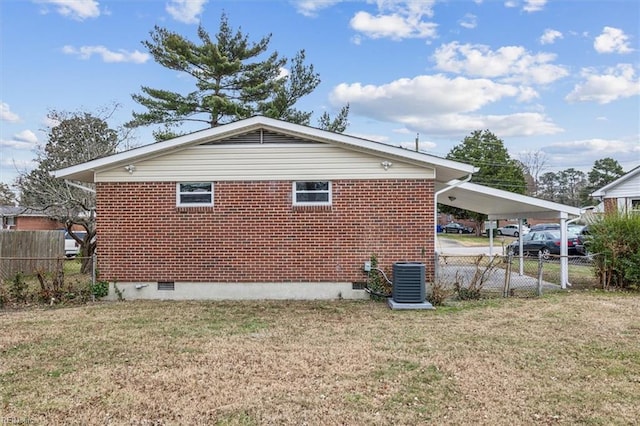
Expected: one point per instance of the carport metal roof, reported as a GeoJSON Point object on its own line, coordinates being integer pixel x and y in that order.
{"type": "Point", "coordinates": [499, 204]}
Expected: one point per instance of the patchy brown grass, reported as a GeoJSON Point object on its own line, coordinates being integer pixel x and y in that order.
{"type": "Point", "coordinates": [571, 358]}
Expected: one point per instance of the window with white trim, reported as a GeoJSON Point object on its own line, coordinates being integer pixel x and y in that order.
{"type": "Point", "coordinates": [312, 193]}
{"type": "Point", "coordinates": [635, 206]}
{"type": "Point", "coordinates": [194, 194]}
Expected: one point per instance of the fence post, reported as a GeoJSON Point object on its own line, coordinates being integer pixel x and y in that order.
{"type": "Point", "coordinates": [540, 268]}
{"type": "Point", "coordinates": [507, 276]}
{"type": "Point", "coordinates": [436, 272]}
{"type": "Point", "coordinates": [93, 269]}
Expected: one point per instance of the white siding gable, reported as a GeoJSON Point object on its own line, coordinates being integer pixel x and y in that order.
{"type": "Point", "coordinates": [627, 188]}
{"type": "Point", "coordinates": [247, 159]}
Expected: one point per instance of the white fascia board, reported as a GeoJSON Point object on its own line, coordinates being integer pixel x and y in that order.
{"type": "Point", "coordinates": [253, 123]}
{"type": "Point", "coordinates": [524, 199]}
{"type": "Point", "coordinates": [602, 192]}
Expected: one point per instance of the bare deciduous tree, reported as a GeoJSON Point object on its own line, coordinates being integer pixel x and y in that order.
{"type": "Point", "coordinates": [534, 162]}
{"type": "Point", "coordinates": [74, 138]}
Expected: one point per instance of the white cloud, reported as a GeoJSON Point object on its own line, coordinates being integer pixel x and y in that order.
{"type": "Point", "coordinates": [395, 27]}
{"type": "Point", "coordinates": [588, 150]}
{"type": "Point", "coordinates": [616, 83]}
{"type": "Point", "coordinates": [438, 105]}
{"type": "Point", "coordinates": [75, 9]}
{"type": "Point", "coordinates": [510, 3]}
{"type": "Point", "coordinates": [186, 11]}
{"type": "Point", "coordinates": [7, 115]}
{"type": "Point", "coordinates": [17, 164]}
{"type": "Point", "coordinates": [23, 140]}
{"type": "Point", "coordinates": [85, 52]}
{"type": "Point", "coordinates": [356, 39]}
{"type": "Point", "coordinates": [534, 5]}
{"type": "Point", "coordinates": [469, 21]}
{"type": "Point", "coordinates": [397, 20]}
{"type": "Point", "coordinates": [612, 40]}
{"type": "Point", "coordinates": [423, 146]}
{"type": "Point", "coordinates": [550, 36]}
{"type": "Point", "coordinates": [311, 7]}
{"type": "Point", "coordinates": [26, 136]}
{"type": "Point", "coordinates": [510, 63]}
{"type": "Point", "coordinates": [428, 94]}
{"type": "Point", "coordinates": [527, 94]}
{"type": "Point", "coordinates": [519, 124]}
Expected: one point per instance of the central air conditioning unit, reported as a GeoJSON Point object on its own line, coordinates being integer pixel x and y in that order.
{"type": "Point", "coordinates": [408, 282]}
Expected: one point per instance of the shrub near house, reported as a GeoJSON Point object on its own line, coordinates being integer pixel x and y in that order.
{"type": "Point", "coordinates": [614, 243]}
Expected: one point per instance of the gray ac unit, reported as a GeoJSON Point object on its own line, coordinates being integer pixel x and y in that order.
{"type": "Point", "coordinates": [408, 282]}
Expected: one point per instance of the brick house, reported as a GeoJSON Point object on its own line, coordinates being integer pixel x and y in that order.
{"type": "Point", "coordinates": [24, 219]}
{"type": "Point", "coordinates": [622, 195]}
{"type": "Point", "coordinates": [260, 209]}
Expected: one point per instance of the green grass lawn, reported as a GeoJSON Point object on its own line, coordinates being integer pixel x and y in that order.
{"type": "Point", "coordinates": [570, 358]}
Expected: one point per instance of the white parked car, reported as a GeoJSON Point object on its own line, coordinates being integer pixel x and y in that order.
{"type": "Point", "coordinates": [512, 230]}
{"type": "Point", "coordinates": [71, 246]}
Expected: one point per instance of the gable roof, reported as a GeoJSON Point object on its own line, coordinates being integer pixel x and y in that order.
{"type": "Point", "coordinates": [602, 192]}
{"type": "Point", "coordinates": [13, 211]}
{"type": "Point", "coordinates": [446, 170]}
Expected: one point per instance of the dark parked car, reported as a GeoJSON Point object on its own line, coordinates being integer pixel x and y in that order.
{"type": "Point", "coordinates": [545, 227]}
{"type": "Point", "coordinates": [543, 242]}
{"type": "Point", "coordinates": [457, 228]}
{"type": "Point", "coordinates": [582, 246]}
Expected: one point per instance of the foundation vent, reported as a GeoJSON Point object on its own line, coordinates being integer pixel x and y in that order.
{"type": "Point", "coordinates": [166, 285]}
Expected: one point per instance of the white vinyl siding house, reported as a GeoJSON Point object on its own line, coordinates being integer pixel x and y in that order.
{"type": "Point", "coordinates": [624, 192]}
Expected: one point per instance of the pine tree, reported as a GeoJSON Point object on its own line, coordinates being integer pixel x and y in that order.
{"type": "Point", "coordinates": [233, 80]}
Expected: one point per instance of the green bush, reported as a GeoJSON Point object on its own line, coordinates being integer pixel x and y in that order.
{"type": "Point", "coordinates": [615, 243]}
{"type": "Point", "coordinates": [100, 289]}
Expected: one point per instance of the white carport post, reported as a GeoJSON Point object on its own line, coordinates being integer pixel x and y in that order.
{"type": "Point", "coordinates": [564, 252]}
{"type": "Point", "coordinates": [520, 247]}
{"type": "Point", "coordinates": [490, 231]}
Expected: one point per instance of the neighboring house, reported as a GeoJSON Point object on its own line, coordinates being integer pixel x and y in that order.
{"type": "Point", "coordinates": [622, 195]}
{"type": "Point", "coordinates": [261, 208]}
{"type": "Point", "coordinates": [25, 219]}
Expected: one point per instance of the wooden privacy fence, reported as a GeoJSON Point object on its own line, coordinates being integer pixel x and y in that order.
{"type": "Point", "coordinates": [29, 251]}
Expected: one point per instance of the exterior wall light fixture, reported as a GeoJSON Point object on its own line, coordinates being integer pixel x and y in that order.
{"type": "Point", "coordinates": [130, 168]}
{"type": "Point", "coordinates": [386, 164]}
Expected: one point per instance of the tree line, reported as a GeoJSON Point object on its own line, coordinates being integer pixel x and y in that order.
{"type": "Point", "coordinates": [570, 186]}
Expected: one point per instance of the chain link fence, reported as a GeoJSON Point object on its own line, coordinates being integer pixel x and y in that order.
{"type": "Point", "coordinates": [476, 276]}
{"type": "Point", "coordinates": [53, 280]}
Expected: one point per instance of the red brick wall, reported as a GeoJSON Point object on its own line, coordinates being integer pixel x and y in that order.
{"type": "Point", "coordinates": [610, 205]}
{"type": "Point", "coordinates": [36, 223]}
{"type": "Point", "coordinates": [254, 234]}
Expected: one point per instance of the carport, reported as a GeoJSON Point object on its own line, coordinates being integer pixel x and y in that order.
{"type": "Point", "coordinates": [504, 205]}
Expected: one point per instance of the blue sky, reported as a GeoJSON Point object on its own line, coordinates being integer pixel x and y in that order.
{"type": "Point", "coordinates": [559, 77]}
